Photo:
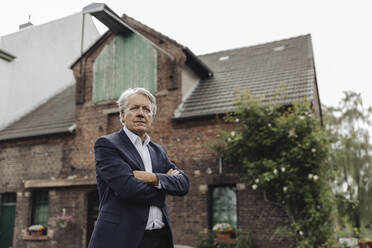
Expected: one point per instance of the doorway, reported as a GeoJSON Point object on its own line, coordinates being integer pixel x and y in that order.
{"type": "Point", "coordinates": [93, 204]}
{"type": "Point", "coordinates": [7, 216]}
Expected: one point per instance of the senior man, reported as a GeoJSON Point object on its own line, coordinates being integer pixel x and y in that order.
{"type": "Point", "coordinates": [134, 175]}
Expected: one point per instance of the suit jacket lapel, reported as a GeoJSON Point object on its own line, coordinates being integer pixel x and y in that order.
{"type": "Point", "coordinates": [154, 161]}
{"type": "Point", "coordinates": [132, 151]}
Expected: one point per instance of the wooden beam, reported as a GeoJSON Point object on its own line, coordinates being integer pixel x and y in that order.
{"type": "Point", "coordinates": [111, 111]}
{"type": "Point", "coordinates": [49, 183]}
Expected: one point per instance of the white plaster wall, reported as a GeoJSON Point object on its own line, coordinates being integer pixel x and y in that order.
{"type": "Point", "coordinates": [40, 70]}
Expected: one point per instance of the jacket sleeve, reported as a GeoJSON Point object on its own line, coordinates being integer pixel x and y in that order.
{"type": "Point", "coordinates": [177, 184]}
{"type": "Point", "coordinates": [119, 176]}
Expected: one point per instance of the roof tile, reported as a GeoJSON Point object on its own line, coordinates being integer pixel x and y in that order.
{"type": "Point", "coordinates": [262, 69]}
{"type": "Point", "coordinates": [57, 115]}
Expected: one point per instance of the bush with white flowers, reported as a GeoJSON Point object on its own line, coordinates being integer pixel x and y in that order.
{"type": "Point", "coordinates": [283, 151]}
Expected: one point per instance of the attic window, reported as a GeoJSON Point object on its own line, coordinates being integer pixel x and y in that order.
{"type": "Point", "coordinates": [279, 48]}
{"type": "Point", "coordinates": [223, 58]}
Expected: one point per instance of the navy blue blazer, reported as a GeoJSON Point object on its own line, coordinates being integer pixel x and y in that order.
{"type": "Point", "coordinates": [125, 200]}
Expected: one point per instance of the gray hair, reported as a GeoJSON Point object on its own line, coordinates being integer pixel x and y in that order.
{"type": "Point", "coordinates": [123, 100]}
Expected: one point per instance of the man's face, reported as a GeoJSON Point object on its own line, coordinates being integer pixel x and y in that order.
{"type": "Point", "coordinates": [138, 116]}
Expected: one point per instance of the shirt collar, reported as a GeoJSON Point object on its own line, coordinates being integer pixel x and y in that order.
{"type": "Point", "coordinates": [134, 138]}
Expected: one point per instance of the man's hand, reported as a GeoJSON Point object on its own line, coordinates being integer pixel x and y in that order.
{"type": "Point", "coordinates": [151, 178]}
{"type": "Point", "coordinates": [173, 172]}
{"type": "Point", "coordinates": [146, 177]}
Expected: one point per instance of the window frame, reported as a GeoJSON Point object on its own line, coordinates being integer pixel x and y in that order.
{"type": "Point", "coordinates": [34, 204]}
{"type": "Point", "coordinates": [210, 202]}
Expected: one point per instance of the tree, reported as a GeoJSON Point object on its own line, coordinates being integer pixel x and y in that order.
{"type": "Point", "coordinates": [282, 150]}
{"type": "Point", "coordinates": [351, 155]}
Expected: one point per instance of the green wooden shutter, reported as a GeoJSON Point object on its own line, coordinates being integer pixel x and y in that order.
{"type": "Point", "coordinates": [126, 62]}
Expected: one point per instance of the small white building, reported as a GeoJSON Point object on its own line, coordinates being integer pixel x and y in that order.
{"type": "Point", "coordinates": [35, 61]}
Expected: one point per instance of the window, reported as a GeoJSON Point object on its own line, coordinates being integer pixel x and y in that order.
{"type": "Point", "coordinates": [223, 205]}
{"type": "Point", "coordinates": [39, 208]}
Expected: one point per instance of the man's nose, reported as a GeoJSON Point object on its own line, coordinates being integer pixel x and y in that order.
{"type": "Point", "coordinates": [140, 113]}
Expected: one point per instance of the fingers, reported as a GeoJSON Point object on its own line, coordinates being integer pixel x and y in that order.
{"type": "Point", "coordinates": [173, 172]}
{"type": "Point", "coordinates": [148, 177]}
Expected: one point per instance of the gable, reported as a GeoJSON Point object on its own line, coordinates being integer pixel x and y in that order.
{"type": "Point", "coordinates": [126, 62]}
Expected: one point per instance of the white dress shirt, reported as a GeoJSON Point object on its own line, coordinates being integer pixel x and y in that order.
{"type": "Point", "coordinates": [155, 220]}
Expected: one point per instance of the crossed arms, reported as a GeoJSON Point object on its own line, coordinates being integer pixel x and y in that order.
{"type": "Point", "coordinates": [151, 178]}
{"type": "Point", "coordinates": [135, 185]}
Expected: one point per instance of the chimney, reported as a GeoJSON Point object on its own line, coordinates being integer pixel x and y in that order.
{"type": "Point", "coordinates": [27, 24]}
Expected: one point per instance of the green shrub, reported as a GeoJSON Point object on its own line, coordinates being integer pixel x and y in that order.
{"type": "Point", "coordinates": [283, 151]}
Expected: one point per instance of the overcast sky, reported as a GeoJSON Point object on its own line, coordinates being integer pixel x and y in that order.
{"type": "Point", "coordinates": [341, 30]}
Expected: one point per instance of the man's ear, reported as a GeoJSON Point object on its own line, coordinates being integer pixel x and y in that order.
{"type": "Point", "coordinates": [122, 114]}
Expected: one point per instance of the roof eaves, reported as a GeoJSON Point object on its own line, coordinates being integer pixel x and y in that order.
{"type": "Point", "coordinates": [151, 30]}
{"type": "Point", "coordinates": [115, 24]}
{"type": "Point", "coordinates": [196, 64]}
{"type": "Point", "coordinates": [53, 131]}
{"type": "Point", "coordinates": [108, 17]}
{"type": "Point", "coordinates": [311, 55]}
{"type": "Point", "coordinates": [197, 116]}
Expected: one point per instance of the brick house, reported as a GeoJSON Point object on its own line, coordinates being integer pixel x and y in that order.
{"type": "Point", "coordinates": [46, 157]}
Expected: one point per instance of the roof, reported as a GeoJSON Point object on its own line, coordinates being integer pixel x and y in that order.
{"type": "Point", "coordinates": [261, 69]}
{"type": "Point", "coordinates": [258, 68]}
{"type": "Point", "coordinates": [57, 115]}
{"type": "Point", "coordinates": [39, 69]}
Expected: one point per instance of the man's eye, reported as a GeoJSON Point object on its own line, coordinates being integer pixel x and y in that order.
{"type": "Point", "coordinates": [146, 109]}
{"type": "Point", "coordinates": [134, 108]}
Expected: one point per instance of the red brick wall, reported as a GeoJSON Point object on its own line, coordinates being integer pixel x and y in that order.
{"type": "Point", "coordinates": [34, 158]}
